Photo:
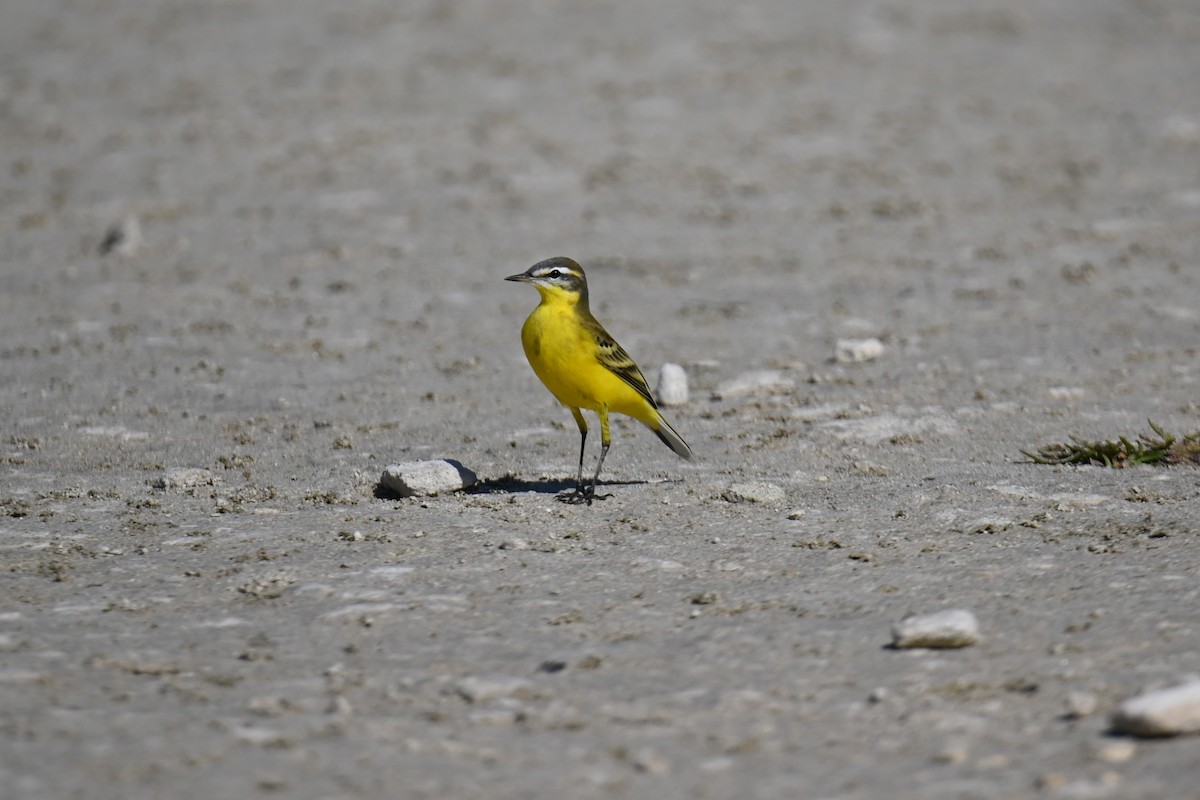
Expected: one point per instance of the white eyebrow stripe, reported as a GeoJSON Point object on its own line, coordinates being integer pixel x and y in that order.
{"type": "Point", "coordinates": [563, 272]}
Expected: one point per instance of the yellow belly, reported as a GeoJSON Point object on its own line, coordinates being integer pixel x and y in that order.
{"type": "Point", "coordinates": [562, 354]}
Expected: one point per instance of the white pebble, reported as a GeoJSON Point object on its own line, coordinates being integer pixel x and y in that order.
{"type": "Point", "coordinates": [672, 385]}
{"type": "Point", "coordinates": [1116, 752]}
{"type": "Point", "coordinates": [1081, 704]}
{"type": "Point", "coordinates": [1181, 130]}
{"type": "Point", "coordinates": [650, 762]}
{"type": "Point", "coordinates": [1167, 712]}
{"type": "Point", "coordinates": [514, 544]}
{"type": "Point", "coordinates": [115, 432]}
{"type": "Point", "coordinates": [952, 753]}
{"type": "Point", "coordinates": [945, 629]}
{"type": "Point", "coordinates": [852, 351]}
{"type": "Point", "coordinates": [763, 381]}
{"type": "Point", "coordinates": [756, 492]}
{"type": "Point", "coordinates": [185, 478]}
{"type": "Point", "coordinates": [123, 237]}
{"type": "Point", "coordinates": [340, 706]}
{"type": "Point", "coordinates": [645, 564]}
{"type": "Point", "coordinates": [427, 477]}
{"type": "Point", "coordinates": [479, 689]}
{"type": "Point", "coordinates": [1066, 392]}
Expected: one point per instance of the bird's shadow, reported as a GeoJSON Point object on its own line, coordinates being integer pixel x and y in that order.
{"type": "Point", "coordinates": [563, 489]}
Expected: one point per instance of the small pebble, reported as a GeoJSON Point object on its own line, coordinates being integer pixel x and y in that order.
{"type": "Point", "coordinates": [853, 351]}
{"type": "Point", "coordinates": [340, 706]}
{"type": "Point", "coordinates": [1167, 712]}
{"type": "Point", "coordinates": [1116, 752]}
{"type": "Point", "coordinates": [185, 478]}
{"type": "Point", "coordinates": [269, 706]}
{"type": "Point", "coordinates": [944, 629]}
{"type": "Point", "coordinates": [672, 385]}
{"type": "Point", "coordinates": [1181, 130]}
{"type": "Point", "coordinates": [123, 237]}
{"type": "Point", "coordinates": [478, 689]}
{"type": "Point", "coordinates": [514, 544]}
{"type": "Point", "coordinates": [1052, 781]}
{"type": "Point", "coordinates": [953, 753]}
{"type": "Point", "coordinates": [650, 762]}
{"type": "Point", "coordinates": [267, 588]}
{"type": "Point", "coordinates": [1066, 392]}
{"type": "Point", "coordinates": [764, 381]}
{"type": "Point", "coordinates": [756, 492]}
{"type": "Point", "coordinates": [1081, 704]}
{"type": "Point", "coordinates": [427, 478]}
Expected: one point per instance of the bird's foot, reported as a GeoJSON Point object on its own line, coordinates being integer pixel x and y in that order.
{"type": "Point", "coordinates": [581, 495]}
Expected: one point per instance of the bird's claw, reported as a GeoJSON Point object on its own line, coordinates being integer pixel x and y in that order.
{"type": "Point", "coordinates": [581, 495]}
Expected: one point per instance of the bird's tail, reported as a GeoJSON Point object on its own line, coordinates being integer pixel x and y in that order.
{"type": "Point", "coordinates": [672, 439]}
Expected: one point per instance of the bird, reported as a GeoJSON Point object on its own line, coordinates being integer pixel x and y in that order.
{"type": "Point", "coordinates": [583, 366]}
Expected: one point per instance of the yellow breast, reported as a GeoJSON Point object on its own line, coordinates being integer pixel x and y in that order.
{"type": "Point", "coordinates": [563, 354]}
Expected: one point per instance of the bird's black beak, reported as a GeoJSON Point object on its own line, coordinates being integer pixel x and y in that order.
{"type": "Point", "coordinates": [521, 278]}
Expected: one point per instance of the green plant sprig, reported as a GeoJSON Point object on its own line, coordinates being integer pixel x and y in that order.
{"type": "Point", "coordinates": [1121, 452]}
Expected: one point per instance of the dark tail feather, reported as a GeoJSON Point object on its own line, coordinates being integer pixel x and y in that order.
{"type": "Point", "coordinates": [672, 439]}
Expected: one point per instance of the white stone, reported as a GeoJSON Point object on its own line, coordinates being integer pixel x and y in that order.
{"type": "Point", "coordinates": [123, 237]}
{"type": "Point", "coordinates": [514, 544]}
{"type": "Point", "coordinates": [882, 427]}
{"type": "Point", "coordinates": [1081, 704]}
{"type": "Point", "coordinates": [1181, 130]}
{"type": "Point", "coordinates": [1116, 752]}
{"type": "Point", "coordinates": [644, 564]}
{"type": "Point", "coordinates": [1066, 392]}
{"type": "Point", "coordinates": [1167, 712]}
{"type": "Point", "coordinates": [763, 381]}
{"type": "Point", "coordinates": [427, 478]}
{"type": "Point", "coordinates": [944, 629]}
{"type": "Point", "coordinates": [256, 735]}
{"type": "Point", "coordinates": [672, 385]}
{"type": "Point", "coordinates": [650, 762]}
{"type": "Point", "coordinates": [479, 689]}
{"type": "Point", "coordinates": [852, 351]}
{"type": "Point", "coordinates": [115, 432]}
{"type": "Point", "coordinates": [755, 492]}
{"type": "Point", "coordinates": [952, 753]}
{"type": "Point", "coordinates": [185, 478]}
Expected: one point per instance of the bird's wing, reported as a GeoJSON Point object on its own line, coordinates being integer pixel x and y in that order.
{"type": "Point", "coordinates": [614, 358]}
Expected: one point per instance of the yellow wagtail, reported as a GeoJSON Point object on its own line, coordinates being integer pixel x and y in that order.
{"type": "Point", "coordinates": [584, 367]}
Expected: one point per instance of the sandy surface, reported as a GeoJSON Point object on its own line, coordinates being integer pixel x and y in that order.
{"type": "Point", "coordinates": [327, 198]}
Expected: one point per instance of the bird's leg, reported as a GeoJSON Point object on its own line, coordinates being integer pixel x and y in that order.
{"type": "Point", "coordinates": [582, 450]}
{"type": "Point", "coordinates": [605, 441]}
{"type": "Point", "coordinates": [580, 495]}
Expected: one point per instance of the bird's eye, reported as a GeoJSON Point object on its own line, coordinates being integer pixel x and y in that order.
{"type": "Point", "coordinates": [555, 273]}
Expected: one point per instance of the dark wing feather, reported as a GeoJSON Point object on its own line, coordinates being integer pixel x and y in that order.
{"type": "Point", "coordinates": [614, 358]}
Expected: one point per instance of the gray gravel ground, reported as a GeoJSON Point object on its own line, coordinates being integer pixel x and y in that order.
{"type": "Point", "coordinates": [308, 209]}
